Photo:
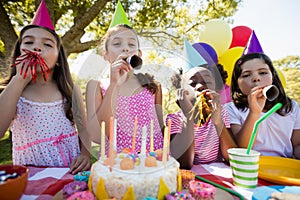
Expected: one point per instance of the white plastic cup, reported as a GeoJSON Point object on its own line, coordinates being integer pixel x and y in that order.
{"type": "Point", "coordinates": [244, 167]}
{"type": "Point", "coordinates": [271, 92]}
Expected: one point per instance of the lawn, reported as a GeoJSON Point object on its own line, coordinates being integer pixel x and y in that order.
{"type": "Point", "coordinates": [5, 150]}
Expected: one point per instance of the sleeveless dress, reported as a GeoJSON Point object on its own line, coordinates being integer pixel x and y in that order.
{"type": "Point", "coordinates": [141, 105]}
{"type": "Point", "coordinates": [42, 135]}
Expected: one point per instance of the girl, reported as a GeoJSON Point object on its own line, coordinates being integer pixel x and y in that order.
{"type": "Point", "coordinates": [193, 143]}
{"type": "Point", "coordinates": [43, 112]}
{"type": "Point", "coordinates": [279, 134]}
{"type": "Point", "coordinates": [128, 95]}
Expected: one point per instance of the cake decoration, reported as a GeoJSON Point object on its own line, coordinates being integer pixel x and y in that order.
{"type": "Point", "coordinates": [101, 191]}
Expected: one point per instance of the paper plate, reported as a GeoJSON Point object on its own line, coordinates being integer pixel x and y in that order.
{"type": "Point", "coordinates": [283, 171]}
{"type": "Point", "coordinates": [264, 192]}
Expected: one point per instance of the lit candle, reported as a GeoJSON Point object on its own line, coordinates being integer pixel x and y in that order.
{"type": "Point", "coordinates": [144, 138]}
{"type": "Point", "coordinates": [111, 143]}
{"type": "Point", "coordinates": [151, 136]}
{"type": "Point", "coordinates": [134, 133]}
{"type": "Point", "coordinates": [102, 157]}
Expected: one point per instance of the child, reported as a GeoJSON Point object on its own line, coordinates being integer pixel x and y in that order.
{"type": "Point", "coordinates": [193, 143]}
{"type": "Point", "coordinates": [279, 134]}
{"type": "Point", "coordinates": [41, 109]}
{"type": "Point", "coordinates": [128, 95]}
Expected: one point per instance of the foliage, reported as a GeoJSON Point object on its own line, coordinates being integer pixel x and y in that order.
{"type": "Point", "coordinates": [81, 24]}
{"type": "Point", "coordinates": [290, 66]}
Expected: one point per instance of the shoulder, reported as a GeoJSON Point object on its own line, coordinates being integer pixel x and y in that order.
{"type": "Point", "coordinates": [93, 83]}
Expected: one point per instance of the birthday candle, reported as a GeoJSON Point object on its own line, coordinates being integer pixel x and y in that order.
{"type": "Point", "coordinates": [115, 133]}
{"type": "Point", "coordinates": [151, 135]}
{"type": "Point", "coordinates": [168, 141]}
{"type": "Point", "coordinates": [134, 133]}
{"type": "Point", "coordinates": [164, 156]}
{"type": "Point", "coordinates": [111, 142]}
{"type": "Point", "coordinates": [102, 157]}
{"type": "Point", "coordinates": [144, 138]}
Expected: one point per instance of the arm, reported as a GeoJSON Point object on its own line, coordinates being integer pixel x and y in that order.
{"type": "Point", "coordinates": [93, 101]}
{"type": "Point", "coordinates": [225, 136]}
{"type": "Point", "coordinates": [83, 161]}
{"type": "Point", "coordinates": [158, 107]}
{"type": "Point", "coordinates": [9, 98]}
{"type": "Point", "coordinates": [243, 132]}
{"type": "Point", "coordinates": [182, 144]}
{"type": "Point", "coordinates": [296, 143]}
{"type": "Point", "coordinates": [101, 108]}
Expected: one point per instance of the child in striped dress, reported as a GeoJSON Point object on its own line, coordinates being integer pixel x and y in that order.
{"type": "Point", "coordinates": [191, 142]}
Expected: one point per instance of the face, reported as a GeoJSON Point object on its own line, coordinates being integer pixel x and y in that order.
{"type": "Point", "coordinates": [122, 42]}
{"type": "Point", "coordinates": [199, 79]}
{"type": "Point", "coordinates": [255, 72]}
{"type": "Point", "coordinates": [43, 42]}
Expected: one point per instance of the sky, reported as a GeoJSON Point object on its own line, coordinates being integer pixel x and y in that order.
{"type": "Point", "coordinates": [276, 24]}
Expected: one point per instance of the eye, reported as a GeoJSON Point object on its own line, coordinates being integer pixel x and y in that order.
{"type": "Point", "coordinates": [48, 45]}
{"type": "Point", "coordinates": [245, 75]}
{"type": "Point", "coordinates": [132, 45]}
{"type": "Point", "coordinates": [117, 44]}
{"type": "Point", "coordinates": [28, 42]}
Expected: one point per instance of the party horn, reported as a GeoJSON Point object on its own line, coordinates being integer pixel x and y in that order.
{"type": "Point", "coordinates": [271, 92]}
{"type": "Point", "coordinates": [135, 61]}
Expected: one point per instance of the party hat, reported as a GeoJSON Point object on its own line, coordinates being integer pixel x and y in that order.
{"type": "Point", "coordinates": [193, 58]}
{"type": "Point", "coordinates": [253, 45]}
{"type": "Point", "coordinates": [119, 17]}
{"type": "Point", "coordinates": [42, 17]}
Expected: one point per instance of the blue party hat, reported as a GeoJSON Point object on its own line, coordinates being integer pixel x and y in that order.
{"type": "Point", "coordinates": [119, 17]}
{"type": "Point", "coordinates": [253, 45]}
{"type": "Point", "coordinates": [193, 58]}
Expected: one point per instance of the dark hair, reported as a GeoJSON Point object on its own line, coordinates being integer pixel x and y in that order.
{"type": "Point", "coordinates": [145, 80]}
{"type": "Point", "coordinates": [223, 73]}
{"type": "Point", "coordinates": [240, 100]}
{"type": "Point", "coordinates": [61, 72]}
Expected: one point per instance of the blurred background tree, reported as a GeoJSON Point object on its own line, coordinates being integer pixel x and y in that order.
{"type": "Point", "coordinates": [81, 24]}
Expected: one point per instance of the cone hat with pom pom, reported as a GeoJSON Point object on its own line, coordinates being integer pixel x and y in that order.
{"type": "Point", "coordinates": [42, 17]}
{"type": "Point", "coordinates": [119, 17]}
{"type": "Point", "coordinates": [193, 58]}
{"type": "Point", "coordinates": [253, 45]}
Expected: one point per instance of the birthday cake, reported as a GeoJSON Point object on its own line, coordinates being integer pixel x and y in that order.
{"type": "Point", "coordinates": [135, 176]}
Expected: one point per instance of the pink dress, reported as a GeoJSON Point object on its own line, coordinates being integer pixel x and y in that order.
{"type": "Point", "coordinates": [42, 135]}
{"type": "Point", "coordinates": [141, 105]}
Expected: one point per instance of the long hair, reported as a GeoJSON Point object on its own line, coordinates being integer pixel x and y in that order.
{"type": "Point", "coordinates": [61, 72]}
{"type": "Point", "coordinates": [146, 80]}
{"type": "Point", "coordinates": [240, 100]}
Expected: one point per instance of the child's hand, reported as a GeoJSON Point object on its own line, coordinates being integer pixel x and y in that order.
{"type": "Point", "coordinates": [119, 69]}
{"type": "Point", "coordinates": [215, 105]}
{"type": "Point", "coordinates": [23, 70]}
{"type": "Point", "coordinates": [81, 163]}
{"type": "Point", "coordinates": [184, 102]}
{"type": "Point", "coordinates": [256, 99]}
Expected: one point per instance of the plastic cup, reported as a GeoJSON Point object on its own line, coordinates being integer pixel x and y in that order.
{"type": "Point", "coordinates": [244, 167]}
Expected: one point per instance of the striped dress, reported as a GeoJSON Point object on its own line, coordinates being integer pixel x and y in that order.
{"type": "Point", "coordinates": [207, 145]}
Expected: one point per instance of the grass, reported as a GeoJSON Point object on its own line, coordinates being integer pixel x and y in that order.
{"type": "Point", "coordinates": [6, 149]}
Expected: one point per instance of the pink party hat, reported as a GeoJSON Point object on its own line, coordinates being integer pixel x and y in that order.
{"type": "Point", "coordinates": [253, 45]}
{"type": "Point", "coordinates": [119, 17]}
{"type": "Point", "coordinates": [42, 17]}
{"type": "Point", "coordinates": [193, 58]}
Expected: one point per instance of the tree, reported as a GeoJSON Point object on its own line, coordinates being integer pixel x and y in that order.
{"type": "Point", "coordinates": [162, 21]}
{"type": "Point", "coordinates": [290, 66]}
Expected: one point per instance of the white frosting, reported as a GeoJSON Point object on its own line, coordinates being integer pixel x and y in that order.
{"type": "Point", "coordinates": [144, 180]}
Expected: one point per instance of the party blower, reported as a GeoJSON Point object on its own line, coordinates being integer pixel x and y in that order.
{"type": "Point", "coordinates": [135, 61]}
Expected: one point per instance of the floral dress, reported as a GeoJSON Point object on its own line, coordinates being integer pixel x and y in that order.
{"type": "Point", "coordinates": [42, 135]}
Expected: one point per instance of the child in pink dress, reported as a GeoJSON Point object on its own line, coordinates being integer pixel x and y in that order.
{"type": "Point", "coordinates": [42, 105]}
{"type": "Point", "coordinates": [129, 95]}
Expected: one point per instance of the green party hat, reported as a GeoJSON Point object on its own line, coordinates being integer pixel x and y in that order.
{"type": "Point", "coordinates": [119, 17]}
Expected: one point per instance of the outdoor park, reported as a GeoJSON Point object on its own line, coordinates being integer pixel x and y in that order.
{"type": "Point", "coordinates": [81, 24]}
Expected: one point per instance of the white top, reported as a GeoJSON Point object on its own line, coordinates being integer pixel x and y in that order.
{"type": "Point", "coordinates": [274, 133]}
